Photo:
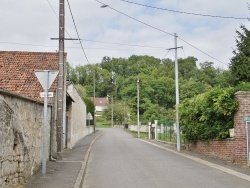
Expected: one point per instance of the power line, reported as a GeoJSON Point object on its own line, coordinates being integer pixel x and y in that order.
{"type": "Point", "coordinates": [190, 13]}
{"type": "Point", "coordinates": [202, 51]}
{"type": "Point", "coordinates": [104, 5]}
{"type": "Point", "coordinates": [166, 54]}
{"type": "Point", "coordinates": [77, 32]}
{"type": "Point", "coordinates": [135, 18]}
{"type": "Point", "coordinates": [58, 18]}
{"type": "Point", "coordinates": [41, 45]}
{"type": "Point", "coordinates": [123, 44]}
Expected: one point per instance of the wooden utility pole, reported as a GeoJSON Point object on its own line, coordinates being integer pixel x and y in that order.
{"type": "Point", "coordinates": [61, 93]}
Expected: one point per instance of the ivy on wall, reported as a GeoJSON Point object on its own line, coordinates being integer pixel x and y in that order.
{"type": "Point", "coordinates": [209, 115]}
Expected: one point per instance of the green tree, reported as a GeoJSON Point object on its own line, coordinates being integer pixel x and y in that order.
{"type": "Point", "coordinates": [119, 113]}
{"type": "Point", "coordinates": [240, 63]}
{"type": "Point", "coordinates": [208, 73]}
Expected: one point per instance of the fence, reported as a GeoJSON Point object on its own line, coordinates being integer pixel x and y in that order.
{"type": "Point", "coordinates": [167, 133]}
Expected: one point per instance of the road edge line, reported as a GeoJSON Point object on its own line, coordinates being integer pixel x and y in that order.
{"type": "Point", "coordinates": [218, 167]}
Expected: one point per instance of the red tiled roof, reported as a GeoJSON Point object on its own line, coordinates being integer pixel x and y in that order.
{"type": "Point", "coordinates": [101, 101]}
{"type": "Point", "coordinates": [17, 71]}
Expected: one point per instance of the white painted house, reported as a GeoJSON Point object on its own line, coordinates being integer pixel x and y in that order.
{"type": "Point", "coordinates": [101, 103]}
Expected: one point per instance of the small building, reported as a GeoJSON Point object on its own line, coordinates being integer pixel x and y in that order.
{"type": "Point", "coordinates": [21, 109]}
{"type": "Point", "coordinates": [101, 103]}
{"type": "Point", "coordinates": [76, 127]}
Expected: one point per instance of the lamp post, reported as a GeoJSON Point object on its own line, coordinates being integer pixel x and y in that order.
{"type": "Point", "coordinates": [112, 110]}
{"type": "Point", "coordinates": [112, 115]}
{"type": "Point", "coordinates": [138, 110]}
{"type": "Point", "coordinates": [124, 112]}
{"type": "Point", "coordinates": [94, 98]}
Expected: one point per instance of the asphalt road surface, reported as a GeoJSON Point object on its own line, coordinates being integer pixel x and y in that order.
{"type": "Point", "coordinates": [117, 160]}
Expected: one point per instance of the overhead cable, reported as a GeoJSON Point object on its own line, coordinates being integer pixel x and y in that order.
{"type": "Point", "coordinates": [201, 51]}
{"type": "Point", "coordinates": [58, 18]}
{"type": "Point", "coordinates": [122, 44]}
{"type": "Point", "coordinates": [190, 13]}
{"type": "Point", "coordinates": [41, 45]}
{"type": "Point", "coordinates": [104, 5]}
{"type": "Point", "coordinates": [77, 32]}
{"type": "Point", "coordinates": [134, 18]}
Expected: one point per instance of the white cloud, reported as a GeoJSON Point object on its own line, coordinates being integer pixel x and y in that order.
{"type": "Point", "coordinates": [34, 22]}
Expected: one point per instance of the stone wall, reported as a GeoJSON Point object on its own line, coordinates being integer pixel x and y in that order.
{"type": "Point", "coordinates": [235, 149]}
{"type": "Point", "coordinates": [21, 122]}
{"type": "Point", "coordinates": [143, 128]}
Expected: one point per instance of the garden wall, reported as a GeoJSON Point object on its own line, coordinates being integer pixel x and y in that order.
{"type": "Point", "coordinates": [234, 149]}
{"type": "Point", "coordinates": [21, 122]}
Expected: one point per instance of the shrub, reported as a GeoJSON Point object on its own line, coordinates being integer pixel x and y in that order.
{"type": "Point", "coordinates": [208, 115]}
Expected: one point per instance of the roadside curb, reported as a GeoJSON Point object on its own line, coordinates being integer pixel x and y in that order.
{"type": "Point", "coordinates": [79, 179]}
{"type": "Point", "coordinates": [218, 167]}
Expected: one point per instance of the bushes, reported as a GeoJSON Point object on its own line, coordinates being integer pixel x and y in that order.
{"type": "Point", "coordinates": [209, 115]}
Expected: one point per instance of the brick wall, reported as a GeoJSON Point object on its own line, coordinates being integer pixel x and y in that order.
{"type": "Point", "coordinates": [235, 149]}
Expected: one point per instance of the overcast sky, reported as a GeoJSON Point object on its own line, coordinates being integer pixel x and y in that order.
{"type": "Point", "coordinates": [28, 25]}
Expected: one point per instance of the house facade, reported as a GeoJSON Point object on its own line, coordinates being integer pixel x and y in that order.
{"type": "Point", "coordinates": [76, 127]}
{"type": "Point", "coordinates": [101, 103]}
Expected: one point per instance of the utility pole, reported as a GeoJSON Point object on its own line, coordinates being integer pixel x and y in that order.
{"type": "Point", "coordinates": [178, 134]}
{"type": "Point", "coordinates": [61, 93]}
{"type": "Point", "coordinates": [177, 96]}
{"type": "Point", "coordinates": [138, 107]}
{"type": "Point", "coordinates": [94, 95]}
{"type": "Point", "coordinates": [112, 113]}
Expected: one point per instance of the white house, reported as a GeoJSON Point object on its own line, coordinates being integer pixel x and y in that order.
{"type": "Point", "coordinates": [101, 103]}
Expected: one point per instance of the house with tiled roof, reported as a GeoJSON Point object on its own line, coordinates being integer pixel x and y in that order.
{"type": "Point", "coordinates": [17, 71]}
{"type": "Point", "coordinates": [101, 103]}
{"type": "Point", "coordinates": [21, 110]}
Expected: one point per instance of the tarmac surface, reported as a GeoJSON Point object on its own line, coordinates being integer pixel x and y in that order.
{"type": "Point", "coordinates": [68, 172]}
{"type": "Point", "coordinates": [119, 160]}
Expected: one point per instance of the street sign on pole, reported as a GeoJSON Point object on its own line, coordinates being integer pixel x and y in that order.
{"type": "Point", "coordinates": [46, 78]}
{"type": "Point", "coordinates": [50, 94]}
{"type": "Point", "coordinates": [89, 116]}
{"type": "Point", "coordinates": [41, 76]}
{"type": "Point", "coordinates": [246, 118]}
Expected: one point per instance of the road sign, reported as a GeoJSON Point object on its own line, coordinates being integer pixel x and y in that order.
{"type": "Point", "coordinates": [89, 116]}
{"type": "Point", "coordinates": [46, 78]}
{"type": "Point", "coordinates": [50, 94]}
{"type": "Point", "coordinates": [246, 118]}
{"type": "Point", "coordinates": [41, 75]}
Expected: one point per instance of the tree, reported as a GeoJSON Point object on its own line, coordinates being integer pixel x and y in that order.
{"type": "Point", "coordinates": [240, 63]}
{"type": "Point", "coordinates": [119, 113]}
{"type": "Point", "coordinates": [208, 73]}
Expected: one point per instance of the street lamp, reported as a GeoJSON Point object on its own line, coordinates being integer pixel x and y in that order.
{"type": "Point", "coordinates": [112, 110]}
{"type": "Point", "coordinates": [94, 98]}
{"type": "Point", "coordinates": [138, 110]}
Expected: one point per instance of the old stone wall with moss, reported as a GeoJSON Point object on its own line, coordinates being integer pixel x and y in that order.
{"type": "Point", "coordinates": [21, 138]}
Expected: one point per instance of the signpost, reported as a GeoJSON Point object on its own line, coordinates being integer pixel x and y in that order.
{"type": "Point", "coordinates": [246, 118]}
{"type": "Point", "coordinates": [50, 94]}
{"type": "Point", "coordinates": [89, 117]}
{"type": "Point", "coordinates": [46, 78]}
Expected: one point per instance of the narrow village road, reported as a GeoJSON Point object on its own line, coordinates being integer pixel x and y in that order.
{"type": "Point", "coordinates": [117, 160]}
